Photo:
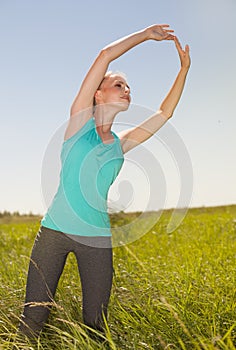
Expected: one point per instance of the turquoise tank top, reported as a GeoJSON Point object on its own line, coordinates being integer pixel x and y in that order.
{"type": "Point", "coordinates": [88, 168]}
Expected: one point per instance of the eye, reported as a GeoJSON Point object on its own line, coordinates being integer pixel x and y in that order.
{"type": "Point", "coordinates": [118, 85]}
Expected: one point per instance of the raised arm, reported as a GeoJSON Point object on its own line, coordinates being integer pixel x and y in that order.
{"type": "Point", "coordinates": [84, 98]}
{"type": "Point", "coordinates": [172, 98]}
{"type": "Point", "coordinates": [134, 136]}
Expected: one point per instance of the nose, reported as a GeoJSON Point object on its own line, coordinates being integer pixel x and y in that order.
{"type": "Point", "coordinates": [127, 90]}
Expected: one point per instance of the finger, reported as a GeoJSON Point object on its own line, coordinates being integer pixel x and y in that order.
{"type": "Point", "coordinates": [165, 27]}
{"type": "Point", "coordinates": [170, 37]}
{"type": "Point", "coordinates": [177, 43]}
{"type": "Point", "coordinates": [177, 40]}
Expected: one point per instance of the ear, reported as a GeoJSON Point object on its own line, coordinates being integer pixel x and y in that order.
{"type": "Point", "coordinates": [98, 95]}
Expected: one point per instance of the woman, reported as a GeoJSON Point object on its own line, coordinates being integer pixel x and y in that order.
{"type": "Point", "coordinates": [92, 155]}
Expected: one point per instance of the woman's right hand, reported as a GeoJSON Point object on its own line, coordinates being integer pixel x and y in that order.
{"type": "Point", "coordinates": [160, 32]}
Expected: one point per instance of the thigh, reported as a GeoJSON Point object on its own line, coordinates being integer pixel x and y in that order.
{"type": "Point", "coordinates": [96, 271]}
{"type": "Point", "coordinates": [46, 265]}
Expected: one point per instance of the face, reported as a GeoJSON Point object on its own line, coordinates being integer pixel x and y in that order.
{"type": "Point", "coordinates": [114, 89]}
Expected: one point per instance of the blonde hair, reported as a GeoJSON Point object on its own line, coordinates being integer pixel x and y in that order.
{"type": "Point", "coordinates": [106, 76]}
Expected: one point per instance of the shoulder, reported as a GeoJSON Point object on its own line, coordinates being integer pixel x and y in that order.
{"type": "Point", "coordinates": [73, 133]}
{"type": "Point", "coordinates": [77, 123]}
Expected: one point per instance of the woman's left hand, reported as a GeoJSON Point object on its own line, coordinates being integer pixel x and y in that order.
{"type": "Point", "coordinates": [183, 54]}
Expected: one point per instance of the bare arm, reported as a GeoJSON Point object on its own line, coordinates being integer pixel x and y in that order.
{"type": "Point", "coordinates": [172, 98]}
{"type": "Point", "coordinates": [84, 99]}
{"type": "Point", "coordinates": [133, 137]}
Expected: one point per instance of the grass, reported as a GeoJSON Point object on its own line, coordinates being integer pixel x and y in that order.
{"type": "Point", "coordinates": [170, 291]}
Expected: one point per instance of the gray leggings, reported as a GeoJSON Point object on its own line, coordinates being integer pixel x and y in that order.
{"type": "Point", "coordinates": [47, 261]}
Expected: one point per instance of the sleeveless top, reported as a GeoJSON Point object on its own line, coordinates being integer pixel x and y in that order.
{"type": "Point", "coordinates": [88, 168]}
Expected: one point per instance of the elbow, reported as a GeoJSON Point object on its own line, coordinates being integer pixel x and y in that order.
{"type": "Point", "coordinates": [170, 115]}
{"type": "Point", "coordinates": [166, 114]}
{"type": "Point", "coordinates": [104, 55]}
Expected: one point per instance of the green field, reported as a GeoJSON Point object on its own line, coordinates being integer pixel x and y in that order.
{"type": "Point", "coordinates": [170, 291]}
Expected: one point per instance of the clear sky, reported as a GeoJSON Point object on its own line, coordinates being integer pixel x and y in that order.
{"type": "Point", "coordinates": [47, 48]}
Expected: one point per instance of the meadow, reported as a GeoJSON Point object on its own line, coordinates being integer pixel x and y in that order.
{"type": "Point", "coordinates": [170, 291]}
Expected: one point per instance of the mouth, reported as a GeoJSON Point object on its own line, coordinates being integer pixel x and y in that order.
{"type": "Point", "coordinates": [127, 98]}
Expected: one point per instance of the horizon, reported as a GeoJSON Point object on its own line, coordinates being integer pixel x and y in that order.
{"type": "Point", "coordinates": [12, 213]}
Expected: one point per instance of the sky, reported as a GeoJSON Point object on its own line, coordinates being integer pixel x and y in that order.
{"type": "Point", "coordinates": [47, 48]}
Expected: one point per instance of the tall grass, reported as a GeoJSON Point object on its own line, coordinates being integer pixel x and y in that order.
{"type": "Point", "coordinates": [170, 291]}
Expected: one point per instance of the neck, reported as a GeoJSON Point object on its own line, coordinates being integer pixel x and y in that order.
{"type": "Point", "coordinates": [104, 117]}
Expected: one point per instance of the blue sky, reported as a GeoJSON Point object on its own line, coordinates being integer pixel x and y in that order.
{"type": "Point", "coordinates": [47, 48]}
